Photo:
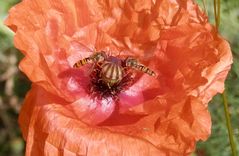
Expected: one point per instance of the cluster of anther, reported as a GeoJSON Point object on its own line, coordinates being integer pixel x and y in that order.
{"type": "Point", "coordinates": [99, 89]}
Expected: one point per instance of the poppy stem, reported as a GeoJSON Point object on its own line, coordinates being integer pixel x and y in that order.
{"type": "Point", "coordinates": [229, 126]}
{"type": "Point", "coordinates": [204, 6]}
{"type": "Point", "coordinates": [217, 8]}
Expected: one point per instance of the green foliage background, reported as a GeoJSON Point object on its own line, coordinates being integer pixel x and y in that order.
{"type": "Point", "coordinates": [218, 143]}
{"type": "Point", "coordinates": [14, 85]}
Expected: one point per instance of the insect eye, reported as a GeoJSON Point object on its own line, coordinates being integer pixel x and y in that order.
{"type": "Point", "coordinates": [130, 61]}
{"type": "Point", "coordinates": [100, 56]}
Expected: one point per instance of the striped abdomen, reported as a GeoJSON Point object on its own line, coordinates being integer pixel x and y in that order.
{"type": "Point", "coordinates": [144, 69]}
{"type": "Point", "coordinates": [111, 73]}
{"type": "Point", "coordinates": [82, 62]}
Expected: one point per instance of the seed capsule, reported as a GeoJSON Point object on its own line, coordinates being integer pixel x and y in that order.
{"type": "Point", "coordinates": [111, 73]}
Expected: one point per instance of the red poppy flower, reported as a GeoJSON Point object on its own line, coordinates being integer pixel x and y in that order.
{"type": "Point", "coordinates": [162, 115]}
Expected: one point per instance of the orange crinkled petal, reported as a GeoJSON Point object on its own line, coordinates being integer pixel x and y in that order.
{"type": "Point", "coordinates": [54, 130]}
{"type": "Point", "coordinates": [163, 115]}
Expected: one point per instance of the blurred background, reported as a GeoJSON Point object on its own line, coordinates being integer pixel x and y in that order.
{"type": "Point", "coordinates": [14, 85]}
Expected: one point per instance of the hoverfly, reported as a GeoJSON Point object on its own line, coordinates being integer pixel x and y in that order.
{"type": "Point", "coordinates": [112, 68]}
